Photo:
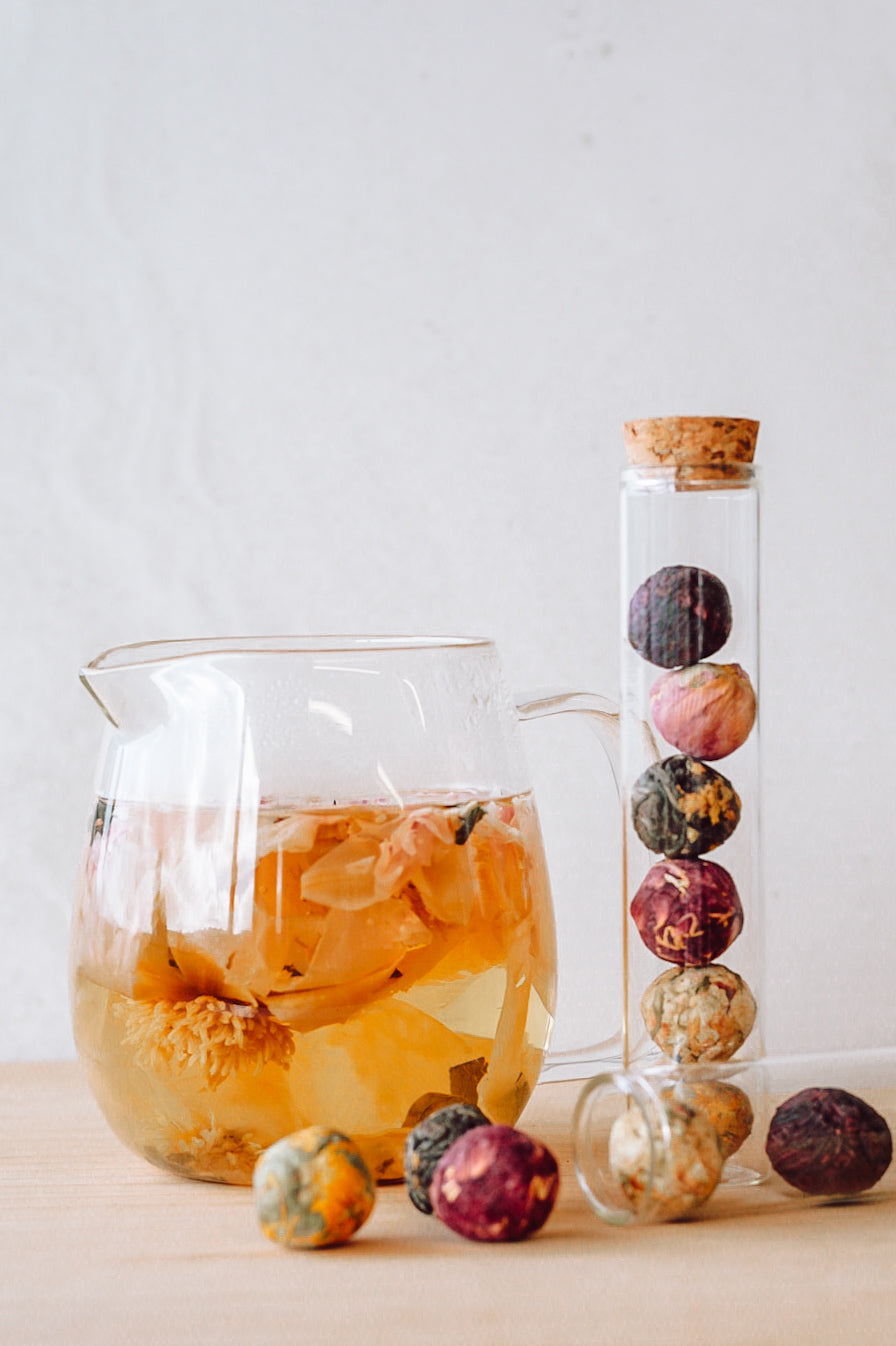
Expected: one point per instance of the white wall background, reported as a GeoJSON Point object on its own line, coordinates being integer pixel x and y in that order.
{"type": "Point", "coordinates": [322, 316]}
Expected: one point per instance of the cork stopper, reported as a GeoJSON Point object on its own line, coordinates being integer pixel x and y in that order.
{"type": "Point", "coordinates": [690, 441]}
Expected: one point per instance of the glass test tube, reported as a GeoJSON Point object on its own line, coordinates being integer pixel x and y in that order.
{"type": "Point", "coordinates": [692, 889]}
{"type": "Point", "coordinates": [644, 1152]}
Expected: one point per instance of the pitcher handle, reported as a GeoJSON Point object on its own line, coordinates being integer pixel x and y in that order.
{"type": "Point", "coordinates": [602, 716]}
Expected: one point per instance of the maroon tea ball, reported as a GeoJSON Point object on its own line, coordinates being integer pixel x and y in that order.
{"type": "Point", "coordinates": [495, 1184]}
{"type": "Point", "coordinates": [687, 911]}
{"type": "Point", "coordinates": [678, 616]}
{"type": "Point", "coordinates": [828, 1142]}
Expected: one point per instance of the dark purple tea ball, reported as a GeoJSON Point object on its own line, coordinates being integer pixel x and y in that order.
{"type": "Point", "coordinates": [678, 616]}
{"type": "Point", "coordinates": [828, 1142]}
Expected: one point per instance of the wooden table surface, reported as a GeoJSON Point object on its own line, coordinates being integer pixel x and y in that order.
{"type": "Point", "coordinates": [97, 1246]}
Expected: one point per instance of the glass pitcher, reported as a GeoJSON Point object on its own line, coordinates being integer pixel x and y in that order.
{"type": "Point", "coordinates": [314, 890]}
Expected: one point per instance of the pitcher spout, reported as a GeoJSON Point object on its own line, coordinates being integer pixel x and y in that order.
{"type": "Point", "coordinates": [95, 686]}
{"type": "Point", "coordinates": [123, 690]}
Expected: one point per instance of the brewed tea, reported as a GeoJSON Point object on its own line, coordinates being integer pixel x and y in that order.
{"type": "Point", "coordinates": [241, 973]}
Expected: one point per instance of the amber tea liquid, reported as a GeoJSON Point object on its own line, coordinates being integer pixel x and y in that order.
{"type": "Point", "coordinates": [238, 974]}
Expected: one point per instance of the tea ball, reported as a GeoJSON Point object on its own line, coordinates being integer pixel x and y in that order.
{"type": "Point", "coordinates": [678, 616]}
{"type": "Point", "coordinates": [699, 1013]}
{"type": "Point", "coordinates": [726, 1106]}
{"type": "Point", "coordinates": [312, 1189]}
{"type": "Point", "coordinates": [429, 1140]}
{"type": "Point", "coordinates": [687, 911]}
{"type": "Point", "coordinates": [829, 1142]}
{"type": "Point", "coordinates": [686, 1170]}
{"type": "Point", "coordinates": [707, 710]}
{"type": "Point", "coordinates": [683, 808]}
{"type": "Point", "coordinates": [495, 1184]}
